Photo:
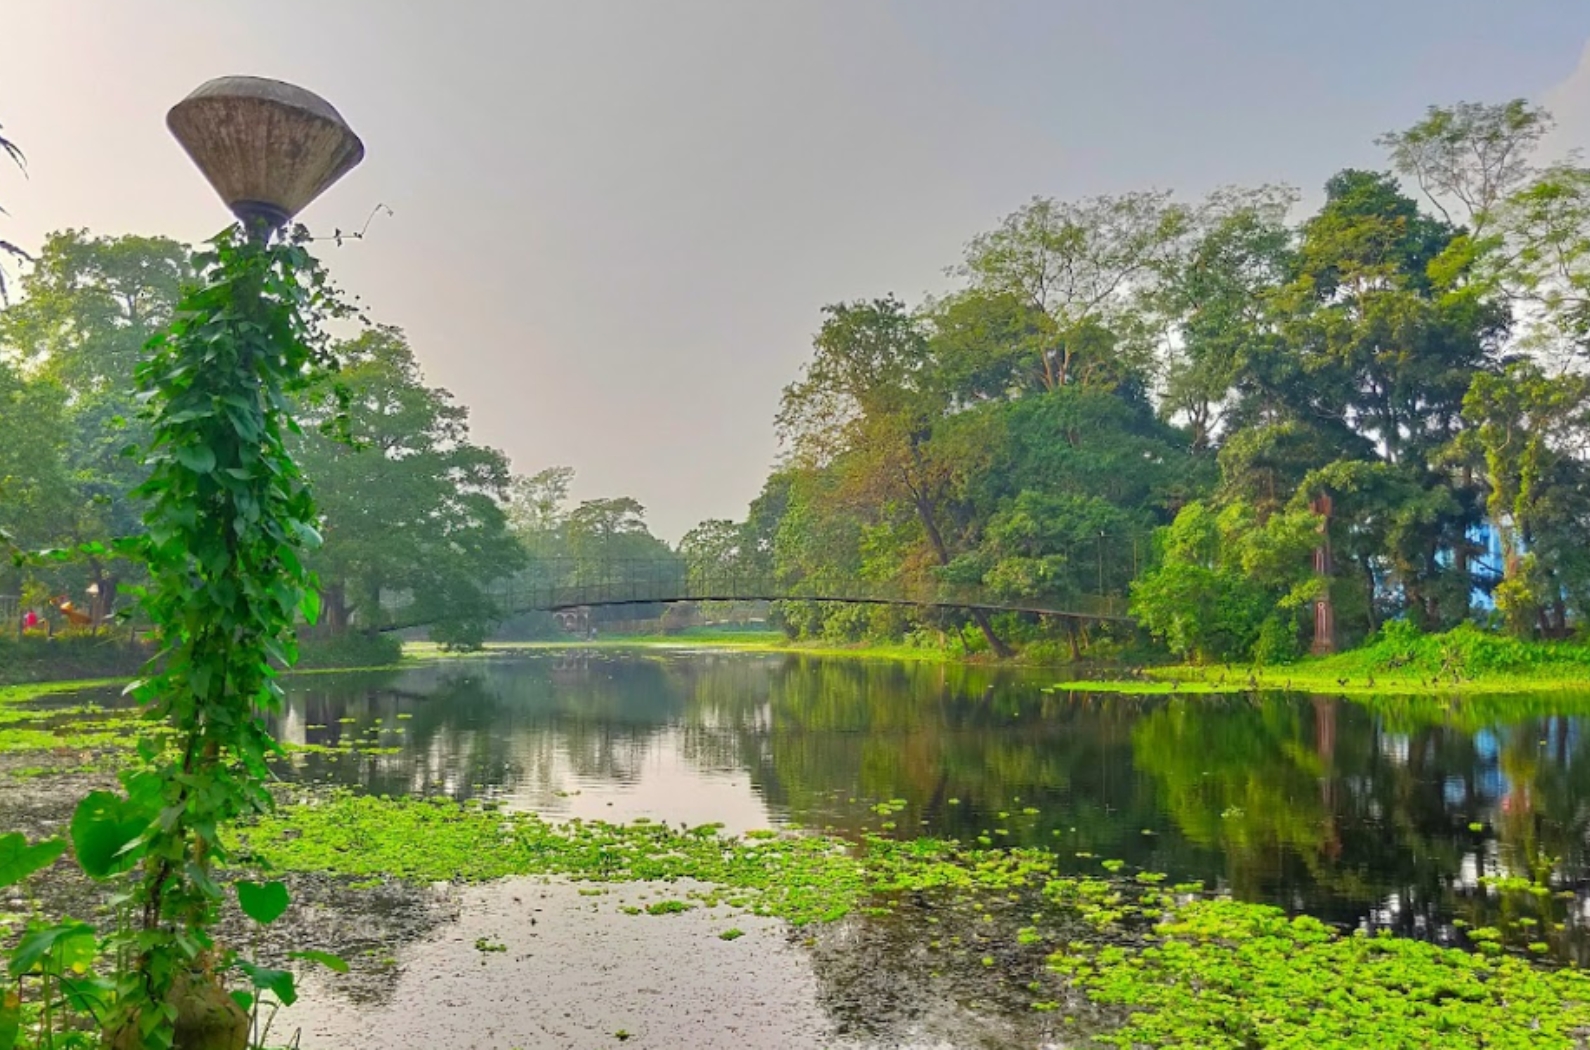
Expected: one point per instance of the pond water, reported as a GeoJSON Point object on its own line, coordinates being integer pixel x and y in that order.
{"type": "Point", "coordinates": [1396, 814]}
{"type": "Point", "coordinates": [1382, 816]}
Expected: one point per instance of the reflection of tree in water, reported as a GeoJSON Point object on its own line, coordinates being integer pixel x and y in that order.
{"type": "Point", "coordinates": [490, 725]}
{"type": "Point", "coordinates": [958, 744]}
{"type": "Point", "coordinates": [1324, 807]}
{"type": "Point", "coordinates": [1359, 816]}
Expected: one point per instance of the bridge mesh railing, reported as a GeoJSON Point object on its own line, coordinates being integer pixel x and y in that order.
{"type": "Point", "coordinates": [645, 583]}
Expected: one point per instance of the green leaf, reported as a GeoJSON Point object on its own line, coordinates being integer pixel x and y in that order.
{"type": "Point", "coordinates": [35, 947]}
{"type": "Point", "coordinates": [88, 995]}
{"type": "Point", "coordinates": [18, 860]}
{"type": "Point", "coordinates": [263, 902]}
{"type": "Point", "coordinates": [10, 1018]}
{"type": "Point", "coordinates": [197, 458]}
{"type": "Point", "coordinates": [278, 982]}
{"type": "Point", "coordinates": [309, 605]}
{"type": "Point", "coordinates": [326, 959]}
{"type": "Point", "coordinates": [105, 831]}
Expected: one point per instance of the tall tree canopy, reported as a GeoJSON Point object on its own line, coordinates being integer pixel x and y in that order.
{"type": "Point", "coordinates": [412, 506]}
{"type": "Point", "coordinates": [1253, 421]}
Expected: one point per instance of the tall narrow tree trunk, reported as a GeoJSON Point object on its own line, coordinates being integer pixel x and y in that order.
{"type": "Point", "coordinates": [940, 551]}
{"type": "Point", "coordinates": [1324, 608]}
{"type": "Point", "coordinates": [334, 609]}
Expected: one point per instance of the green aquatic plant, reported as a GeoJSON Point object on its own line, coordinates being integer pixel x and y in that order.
{"type": "Point", "coordinates": [1188, 971]}
{"type": "Point", "coordinates": [1223, 975]}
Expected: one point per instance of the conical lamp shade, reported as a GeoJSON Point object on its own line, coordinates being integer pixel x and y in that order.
{"type": "Point", "coordinates": [267, 147]}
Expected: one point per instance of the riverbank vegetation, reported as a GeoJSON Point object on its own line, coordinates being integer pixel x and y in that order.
{"type": "Point", "coordinates": [1268, 432]}
{"type": "Point", "coordinates": [1274, 433]}
{"type": "Point", "coordinates": [412, 511]}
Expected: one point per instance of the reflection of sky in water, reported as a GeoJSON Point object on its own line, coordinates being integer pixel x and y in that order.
{"type": "Point", "coordinates": [662, 785]}
{"type": "Point", "coordinates": [1310, 802]}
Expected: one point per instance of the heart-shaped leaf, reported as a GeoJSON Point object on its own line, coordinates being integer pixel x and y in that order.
{"type": "Point", "coordinates": [73, 938]}
{"type": "Point", "coordinates": [278, 982]}
{"type": "Point", "coordinates": [105, 831]}
{"type": "Point", "coordinates": [263, 902]}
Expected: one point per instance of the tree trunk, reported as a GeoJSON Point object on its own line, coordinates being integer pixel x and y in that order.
{"type": "Point", "coordinates": [1369, 593]}
{"type": "Point", "coordinates": [940, 551]}
{"type": "Point", "coordinates": [1324, 608]}
{"type": "Point", "coordinates": [334, 610]}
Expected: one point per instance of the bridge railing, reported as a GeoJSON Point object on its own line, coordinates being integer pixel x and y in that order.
{"type": "Point", "coordinates": [643, 583]}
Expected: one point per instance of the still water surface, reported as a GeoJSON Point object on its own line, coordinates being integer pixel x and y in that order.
{"type": "Point", "coordinates": [1367, 817]}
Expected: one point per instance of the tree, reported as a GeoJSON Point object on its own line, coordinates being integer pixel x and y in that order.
{"type": "Point", "coordinates": [412, 506]}
{"type": "Point", "coordinates": [1531, 432]}
{"type": "Point", "coordinates": [1227, 586]}
{"type": "Point", "coordinates": [35, 485]}
{"type": "Point", "coordinates": [1469, 153]}
{"type": "Point", "coordinates": [1215, 295]}
{"type": "Point", "coordinates": [715, 554]}
{"type": "Point", "coordinates": [1078, 265]}
{"type": "Point", "coordinates": [865, 408]}
{"type": "Point", "coordinates": [89, 306]}
{"type": "Point", "coordinates": [713, 548]}
{"type": "Point", "coordinates": [1375, 358]}
{"type": "Point", "coordinates": [536, 507]}
{"type": "Point", "coordinates": [1539, 259]}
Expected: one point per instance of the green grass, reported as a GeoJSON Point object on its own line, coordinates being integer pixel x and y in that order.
{"type": "Point", "coordinates": [1399, 662]}
{"type": "Point", "coordinates": [10, 694]}
{"type": "Point", "coordinates": [741, 641]}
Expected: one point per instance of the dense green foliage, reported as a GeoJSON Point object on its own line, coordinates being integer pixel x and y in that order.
{"type": "Point", "coordinates": [410, 507]}
{"type": "Point", "coordinates": [411, 510]}
{"type": "Point", "coordinates": [227, 519]}
{"type": "Point", "coordinates": [1194, 401]}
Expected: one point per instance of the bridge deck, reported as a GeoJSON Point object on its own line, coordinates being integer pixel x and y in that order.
{"type": "Point", "coordinates": [514, 598]}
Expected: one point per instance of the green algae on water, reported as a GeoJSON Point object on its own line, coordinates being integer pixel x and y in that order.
{"type": "Point", "coordinates": [1180, 969]}
{"type": "Point", "coordinates": [1223, 975]}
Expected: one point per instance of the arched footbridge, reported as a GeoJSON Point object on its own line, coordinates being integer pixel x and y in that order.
{"type": "Point", "coordinates": [641, 583]}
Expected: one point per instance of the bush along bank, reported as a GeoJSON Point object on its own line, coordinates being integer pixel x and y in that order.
{"type": "Point", "coordinates": [35, 658]}
{"type": "Point", "coordinates": [1398, 660]}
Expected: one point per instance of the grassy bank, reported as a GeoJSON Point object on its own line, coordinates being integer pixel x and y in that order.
{"type": "Point", "coordinates": [1399, 661]}
{"type": "Point", "coordinates": [68, 657]}
{"type": "Point", "coordinates": [760, 641]}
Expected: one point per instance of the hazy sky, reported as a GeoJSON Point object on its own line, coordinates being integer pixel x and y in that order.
{"type": "Point", "coordinates": [616, 220]}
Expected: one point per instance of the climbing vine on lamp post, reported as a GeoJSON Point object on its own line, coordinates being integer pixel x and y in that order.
{"type": "Point", "coordinates": [229, 520]}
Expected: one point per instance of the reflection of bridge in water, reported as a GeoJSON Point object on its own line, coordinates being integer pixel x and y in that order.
{"type": "Point", "coordinates": [561, 586]}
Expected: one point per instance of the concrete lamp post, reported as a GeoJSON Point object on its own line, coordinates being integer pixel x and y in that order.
{"type": "Point", "coordinates": [268, 148]}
